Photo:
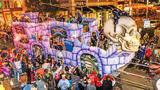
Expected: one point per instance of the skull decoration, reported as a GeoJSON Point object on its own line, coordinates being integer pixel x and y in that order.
{"type": "Point", "coordinates": [125, 35]}
{"type": "Point", "coordinates": [59, 56]}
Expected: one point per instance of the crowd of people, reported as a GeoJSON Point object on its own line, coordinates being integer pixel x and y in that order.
{"type": "Point", "coordinates": [6, 33]}
{"type": "Point", "coordinates": [72, 19]}
{"type": "Point", "coordinates": [149, 51]}
{"type": "Point", "coordinates": [47, 73]}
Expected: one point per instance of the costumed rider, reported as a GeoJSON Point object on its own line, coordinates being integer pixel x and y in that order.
{"type": "Point", "coordinates": [103, 42]}
{"type": "Point", "coordinates": [94, 39]}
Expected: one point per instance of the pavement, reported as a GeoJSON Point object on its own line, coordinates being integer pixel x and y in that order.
{"type": "Point", "coordinates": [133, 82]}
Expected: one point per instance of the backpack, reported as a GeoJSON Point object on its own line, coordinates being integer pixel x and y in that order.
{"type": "Point", "coordinates": [57, 76]}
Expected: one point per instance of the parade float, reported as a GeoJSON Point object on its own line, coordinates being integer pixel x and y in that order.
{"type": "Point", "coordinates": [71, 42]}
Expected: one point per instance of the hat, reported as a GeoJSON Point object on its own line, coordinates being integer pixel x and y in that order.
{"type": "Point", "coordinates": [143, 46]}
{"type": "Point", "coordinates": [63, 75]}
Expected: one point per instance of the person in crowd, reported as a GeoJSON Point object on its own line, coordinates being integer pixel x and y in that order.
{"type": "Point", "coordinates": [156, 38]}
{"type": "Point", "coordinates": [71, 18]}
{"type": "Point", "coordinates": [61, 18]}
{"type": "Point", "coordinates": [53, 63]}
{"type": "Point", "coordinates": [41, 84]}
{"type": "Point", "coordinates": [92, 77]}
{"type": "Point", "coordinates": [156, 54]}
{"type": "Point", "coordinates": [88, 85]}
{"type": "Point", "coordinates": [75, 79]}
{"type": "Point", "coordinates": [148, 54]}
{"type": "Point", "coordinates": [46, 65]}
{"type": "Point", "coordinates": [64, 83]}
{"type": "Point", "coordinates": [142, 52]}
{"type": "Point", "coordinates": [56, 73]}
{"type": "Point", "coordinates": [18, 67]}
{"type": "Point", "coordinates": [40, 71]}
{"type": "Point", "coordinates": [107, 84]}
{"type": "Point", "coordinates": [79, 17]}
{"type": "Point", "coordinates": [23, 80]}
{"type": "Point", "coordinates": [70, 67]}
{"type": "Point", "coordinates": [99, 82]}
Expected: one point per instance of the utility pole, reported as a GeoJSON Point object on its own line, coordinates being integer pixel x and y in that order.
{"type": "Point", "coordinates": [147, 9]}
{"type": "Point", "coordinates": [130, 7]}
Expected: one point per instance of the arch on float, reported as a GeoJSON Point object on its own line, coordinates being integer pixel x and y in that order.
{"type": "Point", "coordinates": [93, 53]}
{"type": "Point", "coordinates": [39, 44]}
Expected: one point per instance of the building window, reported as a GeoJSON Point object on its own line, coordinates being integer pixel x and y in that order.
{"type": "Point", "coordinates": [102, 0]}
{"type": "Point", "coordinates": [64, 1]}
{"type": "Point", "coordinates": [17, 4]}
{"type": "Point", "coordinates": [110, 0]}
{"type": "Point", "coordinates": [6, 3]}
{"type": "Point", "coordinates": [92, 0]}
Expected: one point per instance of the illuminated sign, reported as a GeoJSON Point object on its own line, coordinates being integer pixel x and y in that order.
{"type": "Point", "coordinates": [80, 3]}
{"type": "Point", "coordinates": [0, 4]}
{"type": "Point", "coordinates": [146, 23]}
{"type": "Point", "coordinates": [123, 2]}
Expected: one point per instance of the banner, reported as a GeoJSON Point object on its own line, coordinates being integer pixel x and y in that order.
{"type": "Point", "coordinates": [69, 45]}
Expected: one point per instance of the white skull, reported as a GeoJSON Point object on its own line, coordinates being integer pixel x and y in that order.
{"type": "Point", "coordinates": [126, 34]}
{"type": "Point", "coordinates": [59, 55]}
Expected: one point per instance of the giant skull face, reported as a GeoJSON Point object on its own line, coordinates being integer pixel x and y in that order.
{"type": "Point", "coordinates": [125, 35]}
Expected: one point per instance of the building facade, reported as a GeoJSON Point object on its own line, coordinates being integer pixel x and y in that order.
{"type": "Point", "coordinates": [9, 8]}
{"type": "Point", "coordinates": [99, 9]}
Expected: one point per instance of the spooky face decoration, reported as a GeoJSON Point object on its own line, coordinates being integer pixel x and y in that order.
{"type": "Point", "coordinates": [59, 31]}
{"type": "Point", "coordinates": [59, 56]}
{"type": "Point", "coordinates": [125, 35]}
{"type": "Point", "coordinates": [19, 29]}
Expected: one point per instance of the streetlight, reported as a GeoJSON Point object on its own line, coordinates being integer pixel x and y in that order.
{"type": "Point", "coordinates": [147, 9]}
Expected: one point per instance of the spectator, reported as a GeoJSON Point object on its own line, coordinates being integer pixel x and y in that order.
{"type": "Point", "coordinates": [92, 77]}
{"type": "Point", "coordinates": [64, 83]}
{"type": "Point", "coordinates": [156, 38]}
{"type": "Point", "coordinates": [156, 54]}
{"type": "Point", "coordinates": [71, 18]}
{"type": "Point", "coordinates": [41, 84]}
{"type": "Point", "coordinates": [18, 68]}
{"type": "Point", "coordinates": [79, 17]}
{"type": "Point", "coordinates": [46, 65]}
{"type": "Point", "coordinates": [53, 63]}
{"type": "Point", "coordinates": [107, 84]}
{"type": "Point", "coordinates": [98, 82]}
{"type": "Point", "coordinates": [75, 80]}
{"type": "Point", "coordinates": [40, 70]}
{"type": "Point", "coordinates": [141, 53]}
{"type": "Point", "coordinates": [88, 85]}
{"type": "Point", "coordinates": [61, 18]}
{"type": "Point", "coordinates": [148, 53]}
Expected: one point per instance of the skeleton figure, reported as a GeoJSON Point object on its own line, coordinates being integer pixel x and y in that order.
{"type": "Point", "coordinates": [126, 35]}
{"type": "Point", "coordinates": [59, 56]}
